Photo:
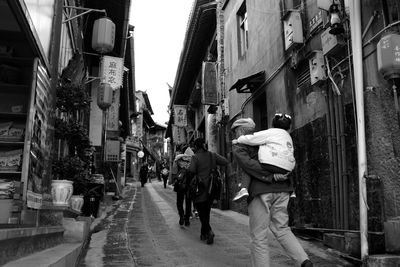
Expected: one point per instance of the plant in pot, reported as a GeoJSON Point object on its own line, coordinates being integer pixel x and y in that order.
{"type": "Point", "coordinates": [71, 167]}
{"type": "Point", "coordinates": [74, 171]}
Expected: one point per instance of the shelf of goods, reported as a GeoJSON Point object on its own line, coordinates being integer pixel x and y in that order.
{"type": "Point", "coordinates": [16, 85]}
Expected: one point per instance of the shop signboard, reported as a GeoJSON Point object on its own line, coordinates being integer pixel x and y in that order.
{"type": "Point", "coordinates": [111, 71]}
{"type": "Point", "coordinates": [38, 178]}
{"type": "Point", "coordinates": [178, 134]}
{"type": "Point", "coordinates": [34, 200]}
{"type": "Point", "coordinates": [209, 84]}
{"type": "Point", "coordinates": [180, 115]}
{"type": "Point", "coordinates": [113, 112]}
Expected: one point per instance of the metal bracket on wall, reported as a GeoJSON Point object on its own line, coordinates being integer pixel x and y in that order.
{"type": "Point", "coordinates": [91, 79]}
{"type": "Point", "coordinates": [86, 11]}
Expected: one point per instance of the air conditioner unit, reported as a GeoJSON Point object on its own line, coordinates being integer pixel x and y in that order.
{"type": "Point", "coordinates": [317, 67]}
{"type": "Point", "coordinates": [331, 44]}
{"type": "Point", "coordinates": [293, 29]}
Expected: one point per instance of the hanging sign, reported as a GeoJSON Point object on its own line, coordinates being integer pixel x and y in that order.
{"type": "Point", "coordinates": [209, 83]}
{"type": "Point", "coordinates": [178, 134]}
{"type": "Point", "coordinates": [111, 71]}
{"type": "Point", "coordinates": [180, 115]}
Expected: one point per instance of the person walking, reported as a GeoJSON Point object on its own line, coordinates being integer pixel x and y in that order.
{"type": "Point", "coordinates": [200, 167]}
{"type": "Point", "coordinates": [164, 173]}
{"type": "Point", "coordinates": [181, 181]}
{"type": "Point", "coordinates": [275, 152]}
{"type": "Point", "coordinates": [143, 173]}
{"type": "Point", "coordinates": [267, 206]}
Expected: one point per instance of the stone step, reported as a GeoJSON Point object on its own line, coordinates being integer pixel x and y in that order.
{"type": "Point", "coordinates": [63, 255]}
{"type": "Point", "coordinates": [19, 242]}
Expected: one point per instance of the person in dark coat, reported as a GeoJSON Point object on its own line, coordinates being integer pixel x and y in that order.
{"type": "Point", "coordinates": [143, 173]}
{"type": "Point", "coordinates": [165, 173]}
{"type": "Point", "coordinates": [200, 166]}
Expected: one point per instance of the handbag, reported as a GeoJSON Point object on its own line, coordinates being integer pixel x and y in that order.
{"type": "Point", "coordinates": [181, 181]}
{"type": "Point", "coordinates": [215, 186]}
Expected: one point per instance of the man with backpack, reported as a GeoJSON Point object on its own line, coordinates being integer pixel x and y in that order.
{"type": "Point", "coordinates": [181, 181]}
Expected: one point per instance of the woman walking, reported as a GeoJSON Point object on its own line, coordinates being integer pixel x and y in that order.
{"type": "Point", "coordinates": [181, 181]}
{"type": "Point", "coordinates": [200, 167]}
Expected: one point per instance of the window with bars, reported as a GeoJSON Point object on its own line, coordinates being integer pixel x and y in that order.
{"type": "Point", "coordinates": [243, 30]}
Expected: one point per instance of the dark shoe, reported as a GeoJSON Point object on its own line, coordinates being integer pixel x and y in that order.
{"type": "Point", "coordinates": [187, 222]}
{"type": "Point", "coordinates": [210, 238]}
{"type": "Point", "coordinates": [307, 263]}
{"type": "Point", "coordinates": [181, 221]}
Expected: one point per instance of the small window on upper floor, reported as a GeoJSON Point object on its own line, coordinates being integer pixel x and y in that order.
{"type": "Point", "coordinates": [243, 29]}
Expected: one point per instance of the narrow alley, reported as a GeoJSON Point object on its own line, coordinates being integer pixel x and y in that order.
{"type": "Point", "coordinates": [142, 230]}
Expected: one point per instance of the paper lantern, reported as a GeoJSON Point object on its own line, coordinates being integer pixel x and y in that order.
{"type": "Point", "coordinates": [103, 35]}
{"type": "Point", "coordinates": [104, 96]}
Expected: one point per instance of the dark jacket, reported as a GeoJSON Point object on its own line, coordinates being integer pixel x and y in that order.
{"type": "Point", "coordinates": [246, 157]}
{"type": "Point", "coordinates": [200, 167]}
{"type": "Point", "coordinates": [143, 172]}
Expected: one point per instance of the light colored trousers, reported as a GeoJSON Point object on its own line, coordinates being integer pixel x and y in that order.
{"type": "Point", "coordinates": [270, 211]}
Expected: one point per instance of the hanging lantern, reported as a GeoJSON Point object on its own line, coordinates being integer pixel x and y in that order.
{"type": "Point", "coordinates": [140, 154]}
{"type": "Point", "coordinates": [388, 56]}
{"type": "Point", "coordinates": [336, 24]}
{"type": "Point", "coordinates": [103, 35]}
{"type": "Point", "coordinates": [104, 96]}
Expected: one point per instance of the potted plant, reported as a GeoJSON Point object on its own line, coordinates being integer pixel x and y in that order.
{"type": "Point", "coordinates": [74, 172]}
{"type": "Point", "coordinates": [71, 166]}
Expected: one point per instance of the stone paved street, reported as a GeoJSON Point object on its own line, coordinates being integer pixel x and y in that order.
{"type": "Point", "coordinates": [142, 230]}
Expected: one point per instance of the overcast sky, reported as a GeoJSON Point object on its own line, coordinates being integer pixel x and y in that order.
{"type": "Point", "coordinates": [160, 27]}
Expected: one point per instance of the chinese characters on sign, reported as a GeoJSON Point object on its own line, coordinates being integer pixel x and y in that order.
{"type": "Point", "coordinates": [178, 134]}
{"type": "Point", "coordinates": [111, 71]}
{"type": "Point", "coordinates": [180, 118]}
{"type": "Point", "coordinates": [209, 80]}
{"type": "Point", "coordinates": [315, 21]}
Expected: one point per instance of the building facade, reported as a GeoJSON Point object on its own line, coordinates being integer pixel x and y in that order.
{"type": "Point", "coordinates": [295, 57]}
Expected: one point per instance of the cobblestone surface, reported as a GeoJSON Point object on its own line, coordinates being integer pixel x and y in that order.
{"type": "Point", "coordinates": [143, 230]}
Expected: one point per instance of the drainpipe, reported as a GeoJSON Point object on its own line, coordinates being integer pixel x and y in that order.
{"type": "Point", "coordinates": [334, 158]}
{"type": "Point", "coordinates": [344, 165]}
{"type": "Point", "coordinates": [339, 161]}
{"type": "Point", "coordinates": [356, 43]}
{"type": "Point", "coordinates": [330, 152]}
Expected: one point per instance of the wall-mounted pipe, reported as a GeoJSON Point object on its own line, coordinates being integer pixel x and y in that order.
{"type": "Point", "coordinates": [339, 161]}
{"type": "Point", "coordinates": [396, 102]}
{"type": "Point", "coordinates": [334, 158]}
{"type": "Point", "coordinates": [344, 165]}
{"type": "Point", "coordinates": [330, 154]}
{"type": "Point", "coordinates": [356, 42]}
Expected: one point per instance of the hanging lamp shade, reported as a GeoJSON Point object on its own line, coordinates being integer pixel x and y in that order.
{"type": "Point", "coordinates": [388, 55]}
{"type": "Point", "coordinates": [104, 96]}
{"type": "Point", "coordinates": [103, 35]}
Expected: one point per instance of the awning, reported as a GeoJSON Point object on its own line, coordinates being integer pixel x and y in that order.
{"type": "Point", "coordinates": [250, 83]}
{"type": "Point", "coordinates": [148, 152]}
{"type": "Point", "coordinates": [132, 147]}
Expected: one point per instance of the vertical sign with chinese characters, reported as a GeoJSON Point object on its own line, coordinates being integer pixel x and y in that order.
{"type": "Point", "coordinates": [111, 71]}
{"type": "Point", "coordinates": [209, 82]}
{"type": "Point", "coordinates": [113, 112]}
{"type": "Point", "coordinates": [180, 115]}
{"type": "Point", "coordinates": [178, 134]}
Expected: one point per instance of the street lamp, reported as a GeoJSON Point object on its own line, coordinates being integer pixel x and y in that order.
{"type": "Point", "coordinates": [336, 25]}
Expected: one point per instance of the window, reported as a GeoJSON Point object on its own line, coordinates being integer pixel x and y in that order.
{"type": "Point", "coordinates": [260, 115]}
{"type": "Point", "coordinates": [243, 30]}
